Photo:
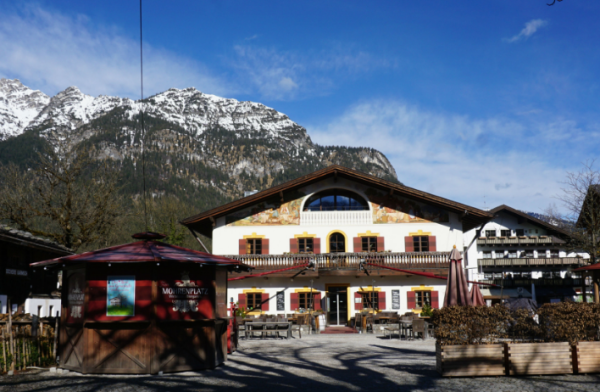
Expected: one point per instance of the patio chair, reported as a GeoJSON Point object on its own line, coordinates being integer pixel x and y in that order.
{"type": "Point", "coordinates": [420, 327]}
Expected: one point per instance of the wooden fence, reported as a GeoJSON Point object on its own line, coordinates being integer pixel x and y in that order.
{"type": "Point", "coordinates": [24, 343]}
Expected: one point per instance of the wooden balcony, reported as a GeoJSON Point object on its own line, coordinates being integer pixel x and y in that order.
{"type": "Point", "coordinates": [348, 263]}
{"type": "Point", "coordinates": [542, 282]}
{"type": "Point", "coordinates": [492, 241]}
{"type": "Point", "coordinates": [524, 262]}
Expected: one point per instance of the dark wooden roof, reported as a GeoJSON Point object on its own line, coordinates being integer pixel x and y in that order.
{"type": "Point", "coordinates": [144, 252]}
{"type": "Point", "coordinates": [551, 228]}
{"type": "Point", "coordinates": [25, 238]}
{"type": "Point", "coordinates": [470, 216]}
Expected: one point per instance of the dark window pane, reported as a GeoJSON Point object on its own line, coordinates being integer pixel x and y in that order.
{"type": "Point", "coordinates": [328, 202]}
{"type": "Point", "coordinates": [336, 199]}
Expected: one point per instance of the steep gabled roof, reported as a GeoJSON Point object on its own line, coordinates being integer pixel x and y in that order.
{"type": "Point", "coordinates": [551, 228]}
{"type": "Point", "coordinates": [203, 222]}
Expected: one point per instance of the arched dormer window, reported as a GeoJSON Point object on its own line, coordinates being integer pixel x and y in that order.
{"type": "Point", "coordinates": [336, 200]}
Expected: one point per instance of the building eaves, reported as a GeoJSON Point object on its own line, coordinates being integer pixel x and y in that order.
{"type": "Point", "coordinates": [471, 216]}
{"type": "Point", "coordinates": [25, 238]}
{"type": "Point", "coordinates": [530, 218]}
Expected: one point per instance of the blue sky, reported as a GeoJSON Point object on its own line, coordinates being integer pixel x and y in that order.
{"type": "Point", "coordinates": [481, 102]}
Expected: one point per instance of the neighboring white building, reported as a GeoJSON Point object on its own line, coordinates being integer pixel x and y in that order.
{"type": "Point", "coordinates": [517, 250]}
{"type": "Point", "coordinates": [336, 217]}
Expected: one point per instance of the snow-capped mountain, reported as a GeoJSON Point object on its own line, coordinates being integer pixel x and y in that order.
{"type": "Point", "coordinates": [199, 139]}
{"type": "Point", "coordinates": [19, 105]}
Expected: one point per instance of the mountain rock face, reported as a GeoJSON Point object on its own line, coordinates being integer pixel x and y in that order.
{"type": "Point", "coordinates": [194, 143]}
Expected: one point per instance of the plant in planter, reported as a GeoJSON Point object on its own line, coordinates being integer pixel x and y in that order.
{"type": "Point", "coordinates": [426, 311]}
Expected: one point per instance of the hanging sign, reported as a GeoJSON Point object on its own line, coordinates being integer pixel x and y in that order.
{"type": "Point", "coordinates": [75, 297]}
{"type": "Point", "coordinates": [395, 299]}
{"type": "Point", "coordinates": [280, 301]}
{"type": "Point", "coordinates": [120, 296]}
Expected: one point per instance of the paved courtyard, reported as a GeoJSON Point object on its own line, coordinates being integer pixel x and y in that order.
{"type": "Point", "coordinates": [313, 363]}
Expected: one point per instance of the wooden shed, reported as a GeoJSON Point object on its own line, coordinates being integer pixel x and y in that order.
{"type": "Point", "coordinates": [143, 308]}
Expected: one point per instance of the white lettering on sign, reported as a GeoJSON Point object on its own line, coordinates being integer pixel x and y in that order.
{"type": "Point", "coordinates": [10, 271]}
{"type": "Point", "coordinates": [185, 291]}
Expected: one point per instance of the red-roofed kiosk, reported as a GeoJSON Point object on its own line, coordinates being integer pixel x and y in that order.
{"type": "Point", "coordinates": [144, 307]}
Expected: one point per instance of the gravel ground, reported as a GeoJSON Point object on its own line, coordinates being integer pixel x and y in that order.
{"type": "Point", "coordinates": [313, 363]}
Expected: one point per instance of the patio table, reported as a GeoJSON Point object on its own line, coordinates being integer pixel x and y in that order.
{"type": "Point", "coordinates": [269, 326]}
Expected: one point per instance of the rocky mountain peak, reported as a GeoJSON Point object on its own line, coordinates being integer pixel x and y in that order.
{"type": "Point", "coordinates": [18, 106]}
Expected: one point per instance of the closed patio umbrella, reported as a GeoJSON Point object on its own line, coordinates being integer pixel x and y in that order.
{"type": "Point", "coordinates": [476, 296]}
{"type": "Point", "coordinates": [457, 290]}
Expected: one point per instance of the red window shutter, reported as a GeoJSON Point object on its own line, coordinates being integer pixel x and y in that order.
{"type": "Point", "coordinates": [317, 246]}
{"type": "Point", "coordinates": [264, 301]}
{"type": "Point", "coordinates": [265, 246]}
{"type": "Point", "coordinates": [357, 306]}
{"type": "Point", "coordinates": [317, 301]}
{"type": "Point", "coordinates": [381, 299]}
{"type": "Point", "coordinates": [409, 245]}
{"type": "Point", "coordinates": [357, 244]}
{"type": "Point", "coordinates": [432, 244]}
{"type": "Point", "coordinates": [294, 301]}
{"type": "Point", "coordinates": [242, 300]}
{"type": "Point", "coordinates": [293, 245]}
{"type": "Point", "coordinates": [380, 244]}
{"type": "Point", "coordinates": [242, 247]}
{"type": "Point", "coordinates": [411, 300]}
{"type": "Point", "coordinates": [435, 300]}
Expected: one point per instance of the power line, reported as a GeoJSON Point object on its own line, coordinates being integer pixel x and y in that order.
{"type": "Point", "coordinates": [142, 119]}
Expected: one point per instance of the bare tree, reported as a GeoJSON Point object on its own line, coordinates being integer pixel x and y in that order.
{"type": "Point", "coordinates": [68, 196]}
{"type": "Point", "coordinates": [581, 197]}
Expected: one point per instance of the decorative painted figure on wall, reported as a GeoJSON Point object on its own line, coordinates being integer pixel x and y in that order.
{"type": "Point", "coordinates": [268, 214]}
{"type": "Point", "coordinates": [393, 209]}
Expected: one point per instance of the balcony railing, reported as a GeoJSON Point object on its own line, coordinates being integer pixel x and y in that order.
{"type": "Point", "coordinates": [325, 261]}
{"type": "Point", "coordinates": [519, 241]}
{"type": "Point", "coordinates": [524, 282]}
{"type": "Point", "coordinates": [520, 262]}
{"type": "Point", "coordinates": [335, 218]}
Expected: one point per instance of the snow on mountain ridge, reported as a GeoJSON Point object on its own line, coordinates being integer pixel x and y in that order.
{"type": "Point", "coordinates": [189, 108]}
{"type": "Point", "coordinates": [18, 106]}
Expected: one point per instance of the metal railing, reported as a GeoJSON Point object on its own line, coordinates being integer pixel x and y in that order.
{"type": "Point", "coordinates": [403, 260]}
{"type": "Point", "coordinates": [519, 262]}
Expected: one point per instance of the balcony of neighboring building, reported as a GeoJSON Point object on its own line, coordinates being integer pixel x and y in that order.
{"type": "Point", "coordinates": [531, 240]}
{"type": "Point", "coordinates": [531, 262]}
{"type": "Point", "coordinates": [540, 282]}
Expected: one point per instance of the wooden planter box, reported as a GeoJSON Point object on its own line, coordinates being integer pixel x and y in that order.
{"type": "Point", "coordinates": [526, 359]}
{"type": "Point", "coordinates": [470, 360]}
{"type": "Point", "coordinates": [588, 357]}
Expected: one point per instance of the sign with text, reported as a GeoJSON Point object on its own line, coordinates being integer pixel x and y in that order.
{"type": "Point", "coordinates": [75, 297]}
{"type": "Point", "coordinates": [185, 298]}
{"type": "Point", "coordinates": [395, 299]}
{"type": "Point", "coordinates": [280, 301]}
{"type": "Point", "coordinates": [120, 296]}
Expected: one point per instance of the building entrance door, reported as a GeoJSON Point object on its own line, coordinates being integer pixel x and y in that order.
{"type": "Point", "coordinates": [337, 305]}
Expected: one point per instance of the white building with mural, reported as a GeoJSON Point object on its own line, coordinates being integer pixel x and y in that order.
{"type": "Point", "coordinates": [337, 217]}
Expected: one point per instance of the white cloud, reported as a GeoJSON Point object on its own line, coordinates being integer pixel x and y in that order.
{"type": "Point", "coordinates": [285, 75]}
{"type": "Point", "coordinates": [464, 159]}
{"type": "Point", "coordinates": [530, 28]}
{"type": "Point", "coordinates": [52, 51]}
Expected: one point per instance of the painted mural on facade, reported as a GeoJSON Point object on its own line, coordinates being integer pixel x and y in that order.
{"type": "Point", "coordinates": [268, 214]}
{"type": "Point", "coordinates": [394, 209]}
